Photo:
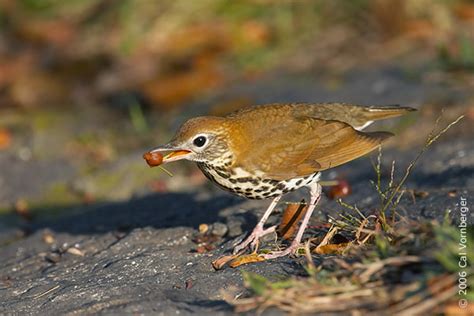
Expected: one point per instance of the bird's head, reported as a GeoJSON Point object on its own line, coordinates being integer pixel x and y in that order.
{"type": "Point", "coordinates": [201, 139]}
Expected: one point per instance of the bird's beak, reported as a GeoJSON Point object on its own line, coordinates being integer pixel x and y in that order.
{"type": "Point", "coordinates": [175, 153]}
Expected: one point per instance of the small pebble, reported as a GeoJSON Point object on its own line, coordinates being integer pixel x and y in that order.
{"type": "Point", "coordinates": [48, 238]}
{"type": "Point", "coordinates": [75, 251]}
{"type": "Point", "coordinates": [203, 228]}
{"type": "Point", "coordinates": [234, 227]}
{"type": "Point", "coordinates": [189, 284]}
{"type": "Point", "coordinates": [219, 229]}
{"type": "Point", "coordinates": [53, 257]}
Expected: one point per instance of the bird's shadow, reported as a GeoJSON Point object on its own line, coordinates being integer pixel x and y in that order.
{"type": "Point", "coordinates": [165, 210]}
{"type": "Point", "coordinates": [160, 210]}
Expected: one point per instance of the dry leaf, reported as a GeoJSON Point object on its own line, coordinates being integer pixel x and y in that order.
{"type": "Point", "coordinates": [88, 198]}
{"type": "Point", "coordinates": [452, 193]}
{"type": "Point", "coordinates": [5, 138]}
{"type": "Point", "coordinates": [254, 257]}
{"type": "Point", "coordinates": [419, 29]}
{"type": "Point", "coordinates": [158, 186]}
{"type": "Point", "coordinates": [205, 248]}
{"type": "Point", "coordinates": [23, 210]}
{"type": "Point", "coordinates": [75, 251]}
{"type": "Point", "coordinates": [332, 249]}
{"type": "Point", "coordinates": [420, 194]}
{"type": "Point", "coordinates": [465, 11]}
{"type": "Point", "coordinates": [188, 284]}
{"type": "Point", "coordinates": [209, 37]}
{"type": "Point", "coordinates": [203, 228]}
{"type": "Point", "coordinates": [255, 33]}
{"type": "Point", "coordinates": [48, 238]}
{"type": "Point", "coordinates": [12, 67]}
{"type": "Point", "coordinates": [205, 241]}
{"type": "Point", "coordinates": [290, 219]}
{"type": "Point", "coordinates": [37, 88]}
{"type": "Point", "coordinates": [170, 91]}
{"type": "Point", "coordinates": [220, 262]}
{"type": "Point", "coordinates": [56, 32]}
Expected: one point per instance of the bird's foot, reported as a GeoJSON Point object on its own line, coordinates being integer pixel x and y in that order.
{"type": "Point", "coordinates": [253, 239]}
{"type": "Point", "coordinates": [292, 249]}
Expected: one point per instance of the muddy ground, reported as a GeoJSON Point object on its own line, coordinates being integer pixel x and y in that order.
{"type": "Point", "coordinates": [136, 252]}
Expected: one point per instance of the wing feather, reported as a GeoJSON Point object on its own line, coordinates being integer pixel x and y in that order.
{"type": "Point", "coordinates": [304, 145]}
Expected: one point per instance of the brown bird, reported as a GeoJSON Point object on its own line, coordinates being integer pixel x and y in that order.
{"type": "Point", "coordinates": [267, 151]}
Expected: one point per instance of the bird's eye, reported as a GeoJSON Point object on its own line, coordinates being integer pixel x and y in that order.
{"type": "Point", "coordinates": [199, 141]}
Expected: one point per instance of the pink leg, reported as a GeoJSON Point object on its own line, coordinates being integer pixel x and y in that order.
{"type": "Point", "coordinates": [258, 231]}
{"type": "Point", "coordinates": [315, 191]}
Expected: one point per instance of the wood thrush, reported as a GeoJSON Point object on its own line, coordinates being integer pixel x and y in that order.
{"type": "Point", "coordinates": [267, 151]}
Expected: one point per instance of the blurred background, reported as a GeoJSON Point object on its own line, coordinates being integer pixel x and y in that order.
{"type": "Point", "coordinates": [87, 86]}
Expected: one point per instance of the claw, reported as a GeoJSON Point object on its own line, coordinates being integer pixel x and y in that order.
{"type": "Point", "coordinates": [258, 231]}
{"type": "Point", "coordinates": [253, 239]}
{"type": "Point", "coordinates": [292, 249]}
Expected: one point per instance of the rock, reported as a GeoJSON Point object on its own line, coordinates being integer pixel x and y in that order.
{"type": "Point", "coordinates": [234, 226]}
{"type": "Point", "coordinates": [219, 229]}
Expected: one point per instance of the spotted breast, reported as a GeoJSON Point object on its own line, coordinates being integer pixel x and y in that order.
{"type": "Point", "coordinates": [252, 186]}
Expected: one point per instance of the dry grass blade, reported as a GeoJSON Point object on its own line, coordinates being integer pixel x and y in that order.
{"type": "Point", "coordinates": [374, 267]}
{"type": "Point", "coordinates": [47, 292]}
{"type": "Point", "coordinates": [365, 297]}
{"type": "Point", "coordinates": [423, 302]}
{"type": "Point", "coordinates": [369, 233]}
{"type": "Point", "coordinates": [166, 171]}
{"type": "Point", "coordinates": [328, 183]}
{"type": "Point", "coordinates": [329, 235]}
{"type": "Point", "coordinates": [432, 137]}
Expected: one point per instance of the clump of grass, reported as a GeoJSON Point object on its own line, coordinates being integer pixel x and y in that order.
{"type": "Point", "coordinates": [390, 265]}
{"type": "Point", "coordinates": [389, 196]}
{"type": "Point", "coordinates": [412, 279]}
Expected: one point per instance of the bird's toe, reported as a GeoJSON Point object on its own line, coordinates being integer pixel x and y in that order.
{"type": "Point", "coordinates": [291, 250]}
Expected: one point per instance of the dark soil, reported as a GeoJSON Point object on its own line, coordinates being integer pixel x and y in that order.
{"type": "Point", "coordinates": [138, 255]}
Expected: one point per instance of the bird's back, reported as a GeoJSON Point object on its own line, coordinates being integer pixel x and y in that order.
{"type": "Point", "coordinates": [357, 116]}
{"type": "Point", "coordinates": [278, 148]}
{"type": "Point", "coordinates": [290, 140]}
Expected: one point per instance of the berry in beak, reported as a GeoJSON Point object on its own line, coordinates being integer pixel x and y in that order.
{"type": "Point", "coordinates": [155, 157]}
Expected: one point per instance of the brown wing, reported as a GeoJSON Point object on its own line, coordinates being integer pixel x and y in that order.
{"type": "Point", "coordinates": [303, 146]}
{"type": "Point", "coordinates": [343, 144]}
{"type": "Point", "coordinates": [354, 115]}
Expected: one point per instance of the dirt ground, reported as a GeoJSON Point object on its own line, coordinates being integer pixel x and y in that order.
{"type": "Point", "coordinates": [137, 251]}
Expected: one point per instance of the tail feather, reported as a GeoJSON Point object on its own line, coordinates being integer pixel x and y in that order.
{"type": "Point", "coordinates": [375, 113]}
{"type": "Point", "coordinates": [376, 137]}
{"type": "Point", "coordinates": [356, 116]}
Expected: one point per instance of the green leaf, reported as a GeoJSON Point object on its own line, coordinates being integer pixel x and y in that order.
{"type": "Point", "coordinates": [257, 283]}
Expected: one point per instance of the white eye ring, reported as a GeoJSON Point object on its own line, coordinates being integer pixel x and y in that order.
{"type": "Point", "coordinates": [200, 140]}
